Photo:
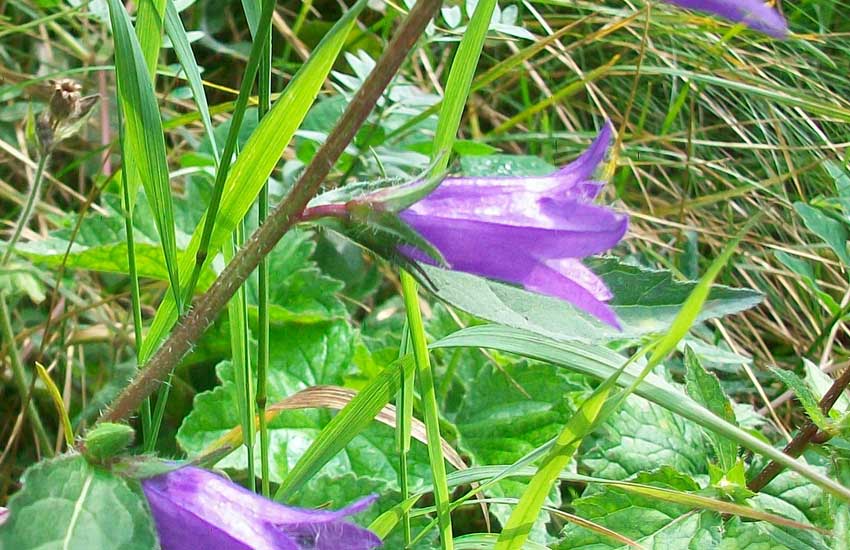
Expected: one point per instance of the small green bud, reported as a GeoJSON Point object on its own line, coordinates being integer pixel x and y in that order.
{"type": "Point", "coordinates": [107, 440]}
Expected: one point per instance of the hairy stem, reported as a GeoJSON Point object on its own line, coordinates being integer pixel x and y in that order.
{"type": "Point", "coordinates": [284, 216]}
{"type": "Point", "coordinates": [807, 433]}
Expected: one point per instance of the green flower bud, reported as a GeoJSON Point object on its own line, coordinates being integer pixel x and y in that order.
{"type": "Point", "coordinates": [106, 441]}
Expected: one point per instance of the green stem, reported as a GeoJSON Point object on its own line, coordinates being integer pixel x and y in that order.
{"type": "Point", "coordinates": [404, 422]}
{"type": "Point", "coordinates": [29, 207]}
{"type": "Point", "coordinates": [127, 207]}
{"type": "Point", "coordinates": [237, 311]}
{"type": "Point", "coordinates": [255, 58]}
{"type": "Point", "coordinates": [20, 377]}
{"type": "Point", "coordinates": [430, 410]}
{"type": "Point", "coordinates": [264, 86]}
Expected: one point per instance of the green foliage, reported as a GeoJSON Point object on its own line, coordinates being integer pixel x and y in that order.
{"type": "Point", "coordinates": [705, 389]}
{"type": "Point", "coordinates": [144, 141]}
{"type": "Point", "coordinates": [309, 356]}
{"type": "Point", "coordinates": [66, 503]}
{"type": "Point", "coordinates": [646, 301]}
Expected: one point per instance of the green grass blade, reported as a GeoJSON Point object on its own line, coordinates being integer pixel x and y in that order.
{"type": "Point", "coordinates": [264, 85]}
{"type": "Point", "coordinates": [350, 421]}
{"type": "Point", "coordinates": [404, 402]}
{"type": "Point", "coordinates": [237, 312]}
{"type": "Point", "coordinates": [144, 137]}
{"type": "Point", "coordinates": [519, 524]}
{"type": "Point", "coordinates": [183, 49]}
{"type": "Point", "coordinates": [259, 158]}
{"type": "Point", "coordinates": [430, 408]}
{"type": "Point", "coordinates": [459, 83]}
{"type": "Point", "coordinates": [149, 31]}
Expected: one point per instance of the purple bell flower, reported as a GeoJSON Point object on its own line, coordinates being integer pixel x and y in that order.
{"type": "Point", "coordinates": [531, 231]}
{"type": "Point", "coordinates": [194, 508]}
{"type": "Point", "coordinates": [756, 14]}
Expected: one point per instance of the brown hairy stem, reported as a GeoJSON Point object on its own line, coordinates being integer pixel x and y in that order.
{"type": "Point", "coordinates": [808, 433]}
{"type": "Point", "coordinates": [197, 320]}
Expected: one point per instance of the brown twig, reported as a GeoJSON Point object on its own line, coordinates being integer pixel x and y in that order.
{"type": "Point", "coordinates": [193, 324]}
{"type": "Point", "coordinates": [807, 434]}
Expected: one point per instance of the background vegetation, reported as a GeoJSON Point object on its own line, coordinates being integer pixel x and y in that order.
{"type": "Point", "coordinates": [717, 125]}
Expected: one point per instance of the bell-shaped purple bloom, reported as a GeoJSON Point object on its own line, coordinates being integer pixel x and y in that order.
{"type": "Point", "coordinates": [193, 508]}
{"type": "Point", "coordinates": [755, 14]}
{"type": "Point", "coordinates": [531, 231]}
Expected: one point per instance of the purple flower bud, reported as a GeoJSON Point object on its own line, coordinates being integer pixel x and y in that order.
{"type": "Point", "coordinates": [531, 231]}
{"type": "Point", "coordinates": [753, 13]}
{"type": "Point", "coordinates": [194, 508]}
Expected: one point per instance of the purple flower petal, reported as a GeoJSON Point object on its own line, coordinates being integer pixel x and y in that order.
{"type": "Point", "coordinates": [582, 168]}
{"type": "Point", "coordinates": [526, 230]}
{"type": "Point", "coordinates": [756, 14]}
{"type": "Point", "coordinates": [546, 280]}
{"type": "Point", "coordinates": [194, 508]}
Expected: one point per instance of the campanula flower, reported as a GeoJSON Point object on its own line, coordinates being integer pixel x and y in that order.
{"type": "Point", "coordinates": [194, 508]}
{"type": "Point", "coordinates": [756, 14]}
{"type": "Point", "coordinates": [531, 231]}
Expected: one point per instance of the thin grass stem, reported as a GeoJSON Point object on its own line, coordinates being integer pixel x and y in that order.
{"type": "Point", "coordinates": [430, 408]}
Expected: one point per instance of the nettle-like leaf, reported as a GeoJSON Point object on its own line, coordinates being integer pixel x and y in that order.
{"type": "Point", "coordinates": [645, 300]}
{"type": "Point", "coordinates": [67, 503]}
{"type": "Point", "coordinates": [705, 389]}
{"type": "Point", "coordinates": [309, 355]}
{"type": "Point", "coordinates": [299, 292]}
{"type": "Point", "coordinates": [507, 413]}
{"type": "Point", "coordinates": [643, 436]}
{"type": "Point", "coordinates": [651, 522]}
{"type": "Point", "coordinates": [101, 242]}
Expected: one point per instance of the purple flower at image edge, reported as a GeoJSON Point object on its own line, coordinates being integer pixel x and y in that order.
{"type": "Point", "coordinates": [193, 508]}
{"type": "Point", "coordinates": [756, 14]}
{"type": "Point", "coordinates": [531, 231]}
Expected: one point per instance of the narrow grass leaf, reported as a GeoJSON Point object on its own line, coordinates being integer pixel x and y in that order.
{"type": "Point", "coordinates": [183, 49]}
{"type": "Point", "coordinates": [350, 421]}
{"type": "Point", "coordinates": [259, 158]}
{"type": "Point", "coordinates": [144, 137]}
{"type": "Point", "coordinates": [459, 83]}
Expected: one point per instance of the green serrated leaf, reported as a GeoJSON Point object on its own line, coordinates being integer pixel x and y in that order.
{"type": "Point", "coordinates": [69, 505]}
{"type": "Point", "coordinates": [643, 436]}
{"type": "Point", "coordinates": [804, 395]}
{"type": "Point", "coordinates": [705, 389]}
{"type": "Point", "coordinates": [309, 356]}
{"type": "Point", "coordinates": [653, 523]}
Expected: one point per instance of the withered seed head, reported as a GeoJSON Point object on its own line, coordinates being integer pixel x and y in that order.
{"type": "Point", "coordinates": [66, 113]}
{"type": "Point", "coordinates": [66, 96]}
